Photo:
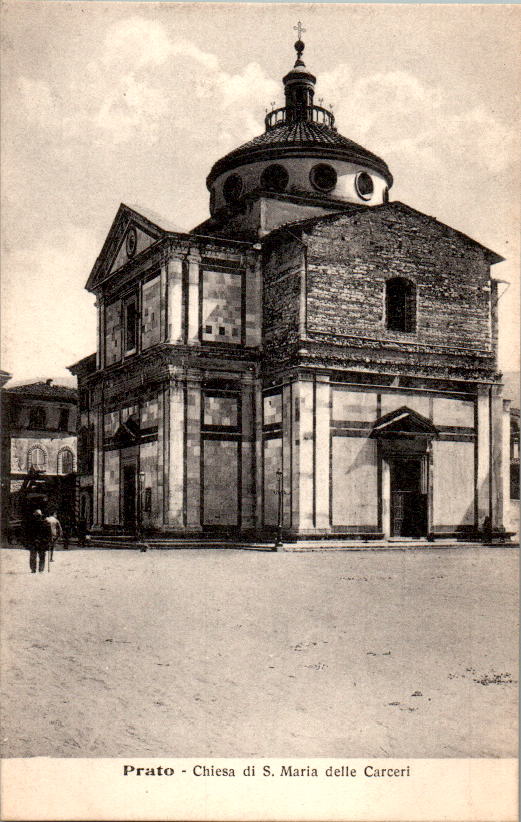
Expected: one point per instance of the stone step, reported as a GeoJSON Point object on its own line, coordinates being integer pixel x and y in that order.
{"type": "Point", "coordinates": [124, 542]}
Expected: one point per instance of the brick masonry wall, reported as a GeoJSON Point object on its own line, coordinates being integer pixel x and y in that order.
{"type": "Point", "coordinates": [282, 268]}
{"type": "Point", "coordinates": [350, 258]}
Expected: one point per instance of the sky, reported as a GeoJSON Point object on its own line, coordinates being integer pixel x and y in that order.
{"type": "Point", "coordinates": [104, 103]}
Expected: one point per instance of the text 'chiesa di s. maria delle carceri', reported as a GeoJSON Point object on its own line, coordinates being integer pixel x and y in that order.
{"type": "Point", "coordinates": [313, 351]}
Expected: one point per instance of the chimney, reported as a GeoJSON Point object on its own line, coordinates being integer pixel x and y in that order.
{"type": "Point", "coordinates": [48, 382]}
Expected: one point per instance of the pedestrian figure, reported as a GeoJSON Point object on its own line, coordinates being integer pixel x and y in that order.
{"type": "Point", "coordinates": [56, 532]}
{"type": "Point", "coordinates": [38, 534]}
{"type": "Point", "coordinates": [67, 530]}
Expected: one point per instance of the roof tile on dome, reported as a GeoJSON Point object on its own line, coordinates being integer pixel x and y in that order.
{"type": "Point", "coordinates": [303, 134]}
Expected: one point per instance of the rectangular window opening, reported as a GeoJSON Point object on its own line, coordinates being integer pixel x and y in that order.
{"type": "Point", "coordinates": [63, 423]}
{"type": "Point", "coordinates": [131, 326]}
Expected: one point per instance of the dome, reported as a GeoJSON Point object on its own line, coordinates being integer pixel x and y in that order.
{"type": "Point", "coordinates": [290, 140]}
{"type": "Point", "coordinates": [300, 155]}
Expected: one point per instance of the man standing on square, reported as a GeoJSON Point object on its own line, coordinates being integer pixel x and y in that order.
{"type": "Point", "coordinates": [38, 539]}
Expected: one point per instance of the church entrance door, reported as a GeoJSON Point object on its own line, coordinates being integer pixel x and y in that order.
{"type": "Point", "coordinates": [408, 497]}
{"type": "Point", "coordinates": [129, 497]}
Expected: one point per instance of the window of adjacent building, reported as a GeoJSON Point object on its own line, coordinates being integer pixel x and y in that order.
{"type": "Point", "coordinates": [37, 417]}
{"type": "Point", "coordinates": [65, 461]}
{"type": "Point", "coordinates": [131, 326]}
{"type": "Point", "coordinates": [400, 305]}
{"type": "Point", "coordinates": [36, 458]}
{"type": "Point", "coordinates": [63, 422]}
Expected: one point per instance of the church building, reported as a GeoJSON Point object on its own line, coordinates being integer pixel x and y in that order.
{"type": "Point", "coordinates": [314, 355]}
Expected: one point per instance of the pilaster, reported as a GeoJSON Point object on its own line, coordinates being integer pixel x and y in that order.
{"type": "Point", "coordinates": [163, 297]}
{"type": "Point", "coordinates": [247, 457]}
{"type": "Point", "coordinates": [100, 331]}
{"type": "Point", "coordinates": [174, 422]}
{"type": "Point", "coordinates": [193, 297]}
{"type": "Point", "coordinates": [253, 299]}
{"type": "Point", "coordinates": [193, 454]}
{"type": "Point", "coordinates": [98, 473]}
{"type": "Point", "coordinates": [258, 445]}
{"type": "Point", "coordinates": [295, 454]}
{"type": "Point", "coordinates": [306, 455]}
{"type": "Point", "coordinates": [322, 448]}
{"type": "Point", "coordinates": [482, 455]}
{"type": "Point", "coordinates": [287, 448]}
{"type": "Point", "coordinates": [161, 413]}
{"type": "Point", "coordinates": [506, 465]}
{"type": "Point", "coordinates": [496, 456]}
{"type": "Point", "coordinates": [386, 496]}
{"type": "Point", "coordinates": [174, 278]}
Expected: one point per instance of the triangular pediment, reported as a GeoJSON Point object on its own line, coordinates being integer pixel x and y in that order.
{"type": "Point", "coordinates": [134, 241]}
{"type": "Point", "coordinates": [130, 234]}
{"type": "Point", "coordinates": [404, 422]}
{"type": "Point", "coordinates": [127, 433]}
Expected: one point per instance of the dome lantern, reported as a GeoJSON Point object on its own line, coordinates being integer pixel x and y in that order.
{"type": "Point", "coordinates": [300, 160]}
{"type": "Point", "coordinates": [299, 91]}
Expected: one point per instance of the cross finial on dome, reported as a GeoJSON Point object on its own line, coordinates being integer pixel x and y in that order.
{"type": "Point", "coordinates": [299, 45]}
{"type": "Point", "coordinates": [299, 28]}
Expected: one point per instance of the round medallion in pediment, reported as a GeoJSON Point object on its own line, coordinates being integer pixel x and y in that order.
{"type": "Point", "coordinates": [131, 242]}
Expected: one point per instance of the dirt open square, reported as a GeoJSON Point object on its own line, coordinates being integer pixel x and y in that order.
{"type": "Point", "coordinates": [248, 653]}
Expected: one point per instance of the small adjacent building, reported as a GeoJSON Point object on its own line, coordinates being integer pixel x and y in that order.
{"type": "Point", "coordinates": [314, 355]}
{"type": "Point", "coordinates": [39, 436]}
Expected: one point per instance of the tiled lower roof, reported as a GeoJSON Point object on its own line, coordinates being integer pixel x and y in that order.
{"type": "Point", "coordinates": [44, 391]}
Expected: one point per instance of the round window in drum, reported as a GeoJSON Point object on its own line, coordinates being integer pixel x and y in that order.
{"type": "Point", "coordinates": [364, 185]}
{"type": "Point", "coordinates": [275, 178]}
{"type": "Point", "coordinates": [323, 177]}
{"type": "Point", "coordinates": [232, 188]}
